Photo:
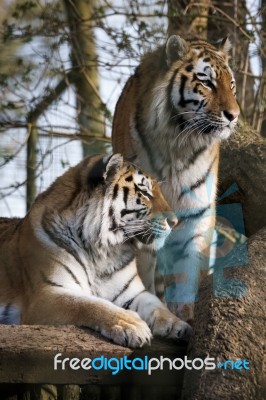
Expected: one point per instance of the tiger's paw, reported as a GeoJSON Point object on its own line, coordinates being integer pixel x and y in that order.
{"type": "Point", "coordinates": [165, 324]}
{"type": "Point", "coordinates": [128, 330]}
{"type": "Point", "coordinates": [185, 311]}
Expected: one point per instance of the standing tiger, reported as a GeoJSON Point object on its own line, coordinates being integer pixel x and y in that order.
{"type": "Point", "coordinates": [170, 119]}
{"type": "Point", "coordinates": [71, 260]}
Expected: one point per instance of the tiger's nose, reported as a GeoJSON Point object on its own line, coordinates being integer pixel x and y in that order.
{"type": "Point", "coordinates": [172, 221]}
{"type": "Point", "coordinates": [231, 115]}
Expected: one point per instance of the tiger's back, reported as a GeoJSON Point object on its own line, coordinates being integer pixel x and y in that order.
{"type": "Point", "coordinates": [10, 276]}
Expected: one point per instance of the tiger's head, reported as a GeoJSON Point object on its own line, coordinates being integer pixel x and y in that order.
{"type": "Point", "coordinates": [130, 203]}
{"type": "Point", "coordinates": [201, 89]}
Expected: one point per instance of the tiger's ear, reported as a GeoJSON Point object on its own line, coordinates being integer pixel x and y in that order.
{"type": "Point", "coordinates": [176, 48]}
{"type": "Point", "coordinates": [104, 170]}
{"type": "Point", "coordinates": [224, 45]}
{"type": "Point", "coordinates": [113, 165]}
{"type": "Point", "coordinates": [95, 175]}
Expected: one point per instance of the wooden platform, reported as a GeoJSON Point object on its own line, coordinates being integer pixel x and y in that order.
{"type": "Point", "coordinates": [27, 356]}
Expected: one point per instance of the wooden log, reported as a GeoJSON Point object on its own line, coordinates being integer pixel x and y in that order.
{"type": "Point", "coordinates": [68, 392]}
{"type": "Point", "coordinates": [229, 329]}
{"type": "Point", "coordinates": [27, 356]}
{"type": "Point", "coordinates": [92, 392]}
{"type": "Point", "coordinates": [243, 161]}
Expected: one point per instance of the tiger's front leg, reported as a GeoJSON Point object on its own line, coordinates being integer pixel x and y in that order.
{"type": "Point", "coordinates": [185, 261]}
{"type": "Point", "coordinates": [160, 320]}
{"type": "Point", "coordinates": [58, 306]}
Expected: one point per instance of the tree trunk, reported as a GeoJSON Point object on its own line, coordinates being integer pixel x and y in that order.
{"type": "Point", "coordinates": [260, 123]}
{"type": "Point", "coordinates": [231, 328]}
{"type": "Point", "coordinates": [84, 61]}
{"type": "Point", "coordinates": [31, 165]}
{"type": "Point", "coordinates": [243, 161]}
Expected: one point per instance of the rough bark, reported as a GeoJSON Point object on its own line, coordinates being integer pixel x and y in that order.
{"type": "Point", "coordinates": [231, 328]}
{"type": "Point", "coordinates": [31, 165]}
{"type": "Point", "coordinates": [259, 117]}
{"type": "Point", "coordinates": [243, 161]}
{"type": "Point", "coordinates": [27, 356]}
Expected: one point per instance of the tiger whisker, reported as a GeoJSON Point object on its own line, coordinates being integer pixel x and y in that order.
{"type": "Point", "coordinates": [195, 123]}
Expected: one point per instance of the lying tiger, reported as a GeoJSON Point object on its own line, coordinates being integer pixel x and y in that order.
{"type": "Point", "coordinates": [72, 259]}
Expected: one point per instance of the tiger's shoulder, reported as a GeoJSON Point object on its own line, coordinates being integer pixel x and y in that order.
{"type": "Point", "coordinates": [8, 226]}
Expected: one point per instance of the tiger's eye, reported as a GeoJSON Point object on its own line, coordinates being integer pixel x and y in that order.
{"type": "Point", "coordinates": [207, 83]}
